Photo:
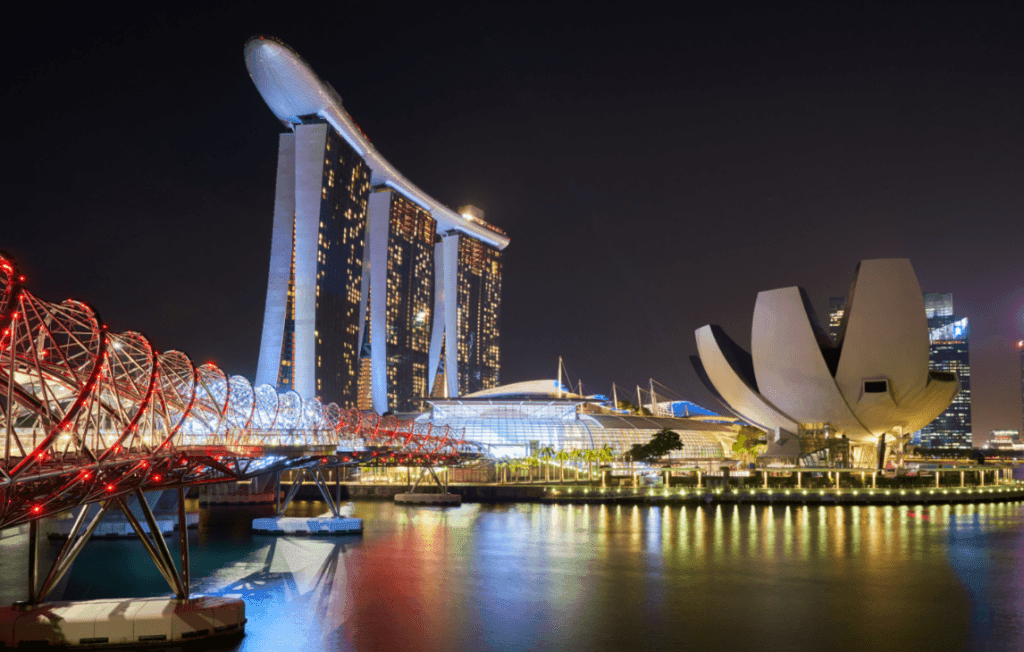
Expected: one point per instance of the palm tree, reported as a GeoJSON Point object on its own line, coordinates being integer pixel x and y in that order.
{"type": "Point", "coordinates": [605, 454]}
{"type": "Point", "coordinates": [576, 455]}
{"type": "Point", "coordinates": [502, 466]}
{"type": "Point", "coordinates": [562, 456]}
{"type": "Point", "coordinates": [530, 463]}
{"type": "Point", "coordinates": [517, 468]}
{"type": "Point", "coordinates": [546, 454]}
{"type": "Point", "coordinates": [591, 456]}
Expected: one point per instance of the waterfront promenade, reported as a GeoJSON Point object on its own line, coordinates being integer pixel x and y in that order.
{"type": "Point", "coordinates": [955, 485]}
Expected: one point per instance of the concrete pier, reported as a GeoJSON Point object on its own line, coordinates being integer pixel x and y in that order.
{"type": "Point", "coordinates": [300, 525]}
{"type": "Point", "coordinates": [233, 493]}
{"type": "Point", "coordinates": [114, 527]}
{"type": "Point", "coordinates": [453, 500]}
{"type": "Point", "coordinates": [125, 622]}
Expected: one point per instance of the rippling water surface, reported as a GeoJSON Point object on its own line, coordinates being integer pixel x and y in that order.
{"type": "Point", "coordinates": [561, 577]}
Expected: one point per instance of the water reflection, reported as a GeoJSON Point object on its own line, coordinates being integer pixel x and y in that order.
{"type": "Point", "coordinates": [592, 577]}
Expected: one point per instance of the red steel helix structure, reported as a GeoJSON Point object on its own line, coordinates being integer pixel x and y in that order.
{"type": "Point", "coordinates": [88, 415]}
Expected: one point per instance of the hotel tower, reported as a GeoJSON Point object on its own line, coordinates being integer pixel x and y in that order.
{"type": "Point", "coordinates": [368, 273]}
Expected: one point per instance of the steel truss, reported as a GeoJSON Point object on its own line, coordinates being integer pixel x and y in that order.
{"type": "Point", "coordinates": [88, 416]}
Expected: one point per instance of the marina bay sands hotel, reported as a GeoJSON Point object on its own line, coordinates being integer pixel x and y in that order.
{"type": "Point", "coordinates": [379, 296]}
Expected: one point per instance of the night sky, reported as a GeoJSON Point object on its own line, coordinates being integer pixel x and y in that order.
{"type": "Point", "coordinates": [654, 171]}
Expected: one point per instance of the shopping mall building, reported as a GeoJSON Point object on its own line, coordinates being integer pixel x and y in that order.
{"type": "Point", "coordinates": [519, 419]}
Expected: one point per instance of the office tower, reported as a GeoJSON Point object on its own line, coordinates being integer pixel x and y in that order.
{"type": "Point", "coordinates": [372, 281]}
{"type": "Point", "coordinates": [949, 335]}
{"type": "Point", "coordinates": [836, 308]}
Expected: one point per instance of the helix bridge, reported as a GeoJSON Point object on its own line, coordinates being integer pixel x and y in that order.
{"type": "Point", "coordinates": [88, 415]}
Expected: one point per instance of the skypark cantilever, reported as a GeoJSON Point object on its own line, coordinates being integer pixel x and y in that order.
{"type": "Point", "coordinates": [294, 93]}
{"type": "Point", "coordinates": [348, 226]}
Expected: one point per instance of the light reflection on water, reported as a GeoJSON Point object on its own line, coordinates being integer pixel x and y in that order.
{"type": "Point", "coordinates": [599, 577]}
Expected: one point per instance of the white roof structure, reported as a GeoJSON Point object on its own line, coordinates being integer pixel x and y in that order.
{"type": "Point", "coordinates": [509, 418]}
{"type": "Point", "coordinates": [873, 381]}
{"type": "Point", "coordinates": [295, 94]}
{"type": "Point", "coordinates": [532, 388]}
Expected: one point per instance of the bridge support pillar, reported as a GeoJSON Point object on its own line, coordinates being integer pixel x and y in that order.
{"type": "Point", "coordinates": [75, 544]}
{"type": "Point", "coordinates": [277, 493]}
{"type": "Point", "coordinates": [186, 576]}
{"type": "Point", "coordinates": [33, 560]}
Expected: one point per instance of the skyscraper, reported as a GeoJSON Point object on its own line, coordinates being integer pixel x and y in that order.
{"type": "Point", "coordinates": [948, 351]}
{"type": "Point", "coordinates": [836, 308]}
{"type": "Point", "coordinates": [479, 312]}
{"type": "Point", "coordinates": [408, 233]}
{"type": "Point", "coordinates": [372, 282]}
{"type": "Point", "coordinates": [312, 319]}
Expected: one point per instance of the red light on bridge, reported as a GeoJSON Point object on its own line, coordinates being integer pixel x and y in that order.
{"type": "Point", "coordinates": [110, 487]}
{"type": "Point", "coordinates": [36, 509]}
{"type": "Point", "coordinates": [157, 477]}
{"type": "Point", "coordinates": [145, 464]}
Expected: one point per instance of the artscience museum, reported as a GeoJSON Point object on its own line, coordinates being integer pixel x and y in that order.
{"type": "Point", "coordinates": [852, 400]}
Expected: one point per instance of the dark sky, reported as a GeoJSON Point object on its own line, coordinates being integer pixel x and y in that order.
{"type": "Point", "coordinates": [654, 171]}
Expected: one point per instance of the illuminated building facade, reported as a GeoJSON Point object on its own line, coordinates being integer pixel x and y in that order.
{"type": "Point", "coordinates": [1004, 440]}
{"type": "Point", "coordinates": [479, 311]}
{"type": "Point", "coordinates": [521, 418]}
{"type": "Point", "coordinates": [349, 228]}
{"type": "Point", "coordinates": [948, 337]}
{"type": "Point", "coordinates": [311, 323]}
{"type": "Point", "coordinates": [409, 305]}
{"type": "Point", "coordinates": [836, 308]}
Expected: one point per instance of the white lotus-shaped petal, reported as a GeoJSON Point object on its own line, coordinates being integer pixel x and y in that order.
{"type": "Point", "coordinates": [874, 380]}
